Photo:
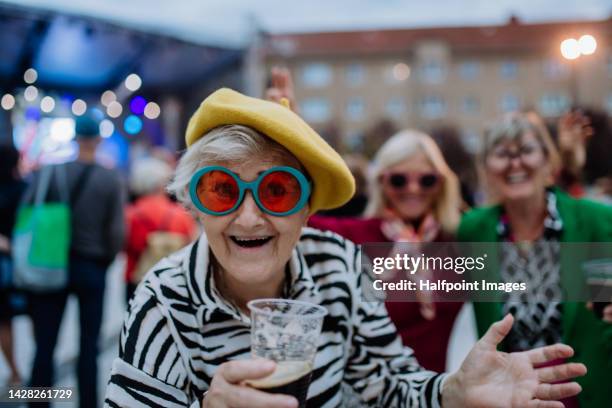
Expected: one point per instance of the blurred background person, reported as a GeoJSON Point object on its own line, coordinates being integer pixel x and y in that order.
{"type": "Point", "coordinates": [520, 161]}
{"type": "Point", "coordinates": [12, 188]}
{"type": "Point", "coordinates": [152, 211]}
{"type": "Point", "coordinates": [414, 197]}
{"type": "Point", "coordinates": [358, 165]}
{"type": "Point", "coordinates": [461, 162]}
{"type": "Point", "coordinates": [96, 201]}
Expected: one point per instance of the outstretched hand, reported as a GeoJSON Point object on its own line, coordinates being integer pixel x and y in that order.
{"type": "Point", "coordinates": [490, 378]}
{"type": "Point", "coordinates": [281, 86]}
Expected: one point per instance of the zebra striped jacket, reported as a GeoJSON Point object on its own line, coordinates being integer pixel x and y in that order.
{"type": "Point", "coordinates": [179, 329]}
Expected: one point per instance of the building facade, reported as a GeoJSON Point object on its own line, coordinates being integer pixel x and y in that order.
{"type": "Point", "coordinates": [427, 77]}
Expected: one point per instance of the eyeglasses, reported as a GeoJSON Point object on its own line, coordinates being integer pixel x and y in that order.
{"type": "Point", "coordinates": [528, 153]}
{"type": "Point", "coordinates": [399, 181]}
{"type": "Point", "coordinates": [278, 191]}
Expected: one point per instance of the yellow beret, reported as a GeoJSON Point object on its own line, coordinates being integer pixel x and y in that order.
{"type": "Point", "coordinates": [333, 182]}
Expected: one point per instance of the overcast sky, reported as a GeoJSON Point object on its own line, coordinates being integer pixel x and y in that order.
{"type": "Point", "coordinates": [230, 22]}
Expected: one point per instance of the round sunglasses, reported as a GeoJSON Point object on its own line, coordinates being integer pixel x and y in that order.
{"type": "Point", "coordinates": [399, 181]}
{"type": "Point", "coordinates": [278, 191]}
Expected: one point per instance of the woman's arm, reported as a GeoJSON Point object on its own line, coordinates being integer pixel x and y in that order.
{"type": "Point", "coordinates": [149, 371]}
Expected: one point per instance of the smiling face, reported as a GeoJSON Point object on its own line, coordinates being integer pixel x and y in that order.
{"type": "Point", "coordinates": [252, 247]}
{"type": "Point", "coordinates": [416, 197]}
{"type": "Point", "coordinates": [518, 169]}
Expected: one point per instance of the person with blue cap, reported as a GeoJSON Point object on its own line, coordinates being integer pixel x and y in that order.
{"type": "Point", "coordinates": [96, 200]}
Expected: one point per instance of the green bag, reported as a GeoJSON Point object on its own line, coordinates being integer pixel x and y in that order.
{"type": "Point", "coordinates": [41, 237]}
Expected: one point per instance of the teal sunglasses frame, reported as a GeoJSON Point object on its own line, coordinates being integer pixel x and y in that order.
{"type": "Point", "coordinates": [253, 186]}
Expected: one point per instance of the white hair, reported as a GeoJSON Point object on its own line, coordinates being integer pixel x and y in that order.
{"type": "Point", "coordinates": [224, 144]}
{"type": "Point", "coordinates": [149, 175]}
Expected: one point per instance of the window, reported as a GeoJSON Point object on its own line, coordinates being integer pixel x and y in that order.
{"type": "Point", "coordinates": [354, 141]}
{"type": "Point", "coordinates": [553, 104]}
{"type": "Point", "coordinates": [509, 103]}
{"type": "Point", "coordinates": [355, 108]}
{"type": "Point", "coordinates": [471, 141]}
{"type": "Point", "coordinates": [316, 75]}
{"type": "Point", "coordinates": [469, 70]}
{"type": "Point", "coordinates": [315, 109]}
{"type": "Point", "coordinates": [395, 107]}
{"type": "Point", "coordinates": [433, 72]}
{"type": "Point", "coordinates": [355, 74]}
{"type": "Point", "coordinates": [433, 107]}
{"type": "Point", "coordinates": [509, 70]}
{"type": "Point", "coordinates": [470, 105]}
{"type": "Point", "coordinates": [555, 69]}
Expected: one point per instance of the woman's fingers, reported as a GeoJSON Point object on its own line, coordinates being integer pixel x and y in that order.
{"type": "Point", "coordinates": [543, 355]}
{"type": "Point", "coordinates": [607, 313]}
{"type": "Point", "coordinates": [545, 404]}
{"type": "Point", "coordinates": [498, 331]}
{"type": "Point", "coordinates": [561, 372]}
{"type": "Point", "coordinates": [234, 372]}
{"type": "Point", "coordinates": [557, 391]}
{"type": "Point", "coordinates": [243, 396]}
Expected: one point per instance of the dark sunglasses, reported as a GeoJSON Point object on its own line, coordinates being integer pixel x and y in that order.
{"type": "Point", "coordinates": [399, 181]}
{"type": "Point", "coordinates": [279, 191]}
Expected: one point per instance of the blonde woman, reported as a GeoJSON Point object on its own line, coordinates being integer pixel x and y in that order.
{"type": "Point", "coordinates": [413, 197]}
{"type": "Point", "coordinates": [520, 162]}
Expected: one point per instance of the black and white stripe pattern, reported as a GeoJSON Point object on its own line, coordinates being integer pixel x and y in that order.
{"type": "Point", "coordinates": [180, 329]}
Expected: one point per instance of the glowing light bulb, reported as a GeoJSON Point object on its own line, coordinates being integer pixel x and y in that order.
{"type": "Point", "coordinates": [79, 107]}
{"type": "Point", "coordinates": [152, 110]}
{"type": "Point", "coordinates": [133, 82]}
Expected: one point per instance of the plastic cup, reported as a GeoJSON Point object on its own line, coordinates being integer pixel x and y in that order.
{"type": "Point", "coordinates": [287, 332]}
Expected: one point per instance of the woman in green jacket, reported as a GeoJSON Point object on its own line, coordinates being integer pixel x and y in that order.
{"type": "Point", "coordinates": [520, 161]}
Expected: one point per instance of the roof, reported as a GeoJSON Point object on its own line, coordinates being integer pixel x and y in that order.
{"type": "Point", "coordinates": [512, 36]}
{"type": "Point", "coordinates": [82, 54]}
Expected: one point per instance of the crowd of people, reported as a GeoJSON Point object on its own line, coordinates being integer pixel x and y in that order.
{"type": "Point", "coordinates": [260, 206]}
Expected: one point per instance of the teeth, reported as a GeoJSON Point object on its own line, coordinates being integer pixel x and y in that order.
{"type": "Point", "coordinates": [516, 178]}
{"type": "Point", "coordinates": [245, 239]}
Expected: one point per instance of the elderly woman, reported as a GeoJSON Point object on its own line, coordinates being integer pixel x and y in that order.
{"type": "Point", "coordinates": [520, 162]}
{"type": "Point", "coordinates": [414, 197]}
{"type": "Point", "coordinates": [254, 171]}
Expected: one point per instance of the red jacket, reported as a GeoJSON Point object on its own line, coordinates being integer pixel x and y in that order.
{"type": "Point", "coordinates": [149, 214]}
{"type": "Point", "coordinates": [428, 338]}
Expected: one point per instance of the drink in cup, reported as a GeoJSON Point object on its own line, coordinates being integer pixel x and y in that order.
{"type": "Point", "coordinates": [598, 274]}
{"type": "Point", "coordinates": [287, 332]}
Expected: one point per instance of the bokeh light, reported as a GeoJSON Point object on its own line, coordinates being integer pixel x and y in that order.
{"type": "Point", "coordinates": [106, 128]}
{"type": "Point", "coordinates": [108, 97]}
{"type": "Point", "coordinates": [137, 105]}
{"type": "Point", "coordinates": [47, 104]}
{"type": "Point", "coordinates": [79, 107]}
{"type": "Point", "coordinates": [587, 44]}
{"type": "Point", "coordinates": [132, 124]}
{"type": "Point", "coordinates": [7, 102]}
{"type": "Point", "coordinates": [32, 113]}
{"type": "Point", "coordinates": [30, 76]}
{"type": "Point", "coordinates": [62, 130]}
{"type": "Point", "coordinates": [152, 110]}
{"type": "Point", "coordinates": [570, 49]}
{"type": "Point", "coordinates": [401, 71]}
{"type": "Point", "coordinates": [114, 109]}
{"type": "Point", "coordinates": [31, 93]}
{"type": "Point", "coordinates": [133, 82]}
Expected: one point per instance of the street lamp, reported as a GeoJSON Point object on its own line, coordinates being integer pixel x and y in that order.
{"type": "Point", "coordinates": [571, 50]}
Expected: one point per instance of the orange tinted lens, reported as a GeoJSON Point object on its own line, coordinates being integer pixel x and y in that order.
{"type": "Point", "coordinates": [218, 191]}
{"type": "Point", "coordinates": [279, 191]}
